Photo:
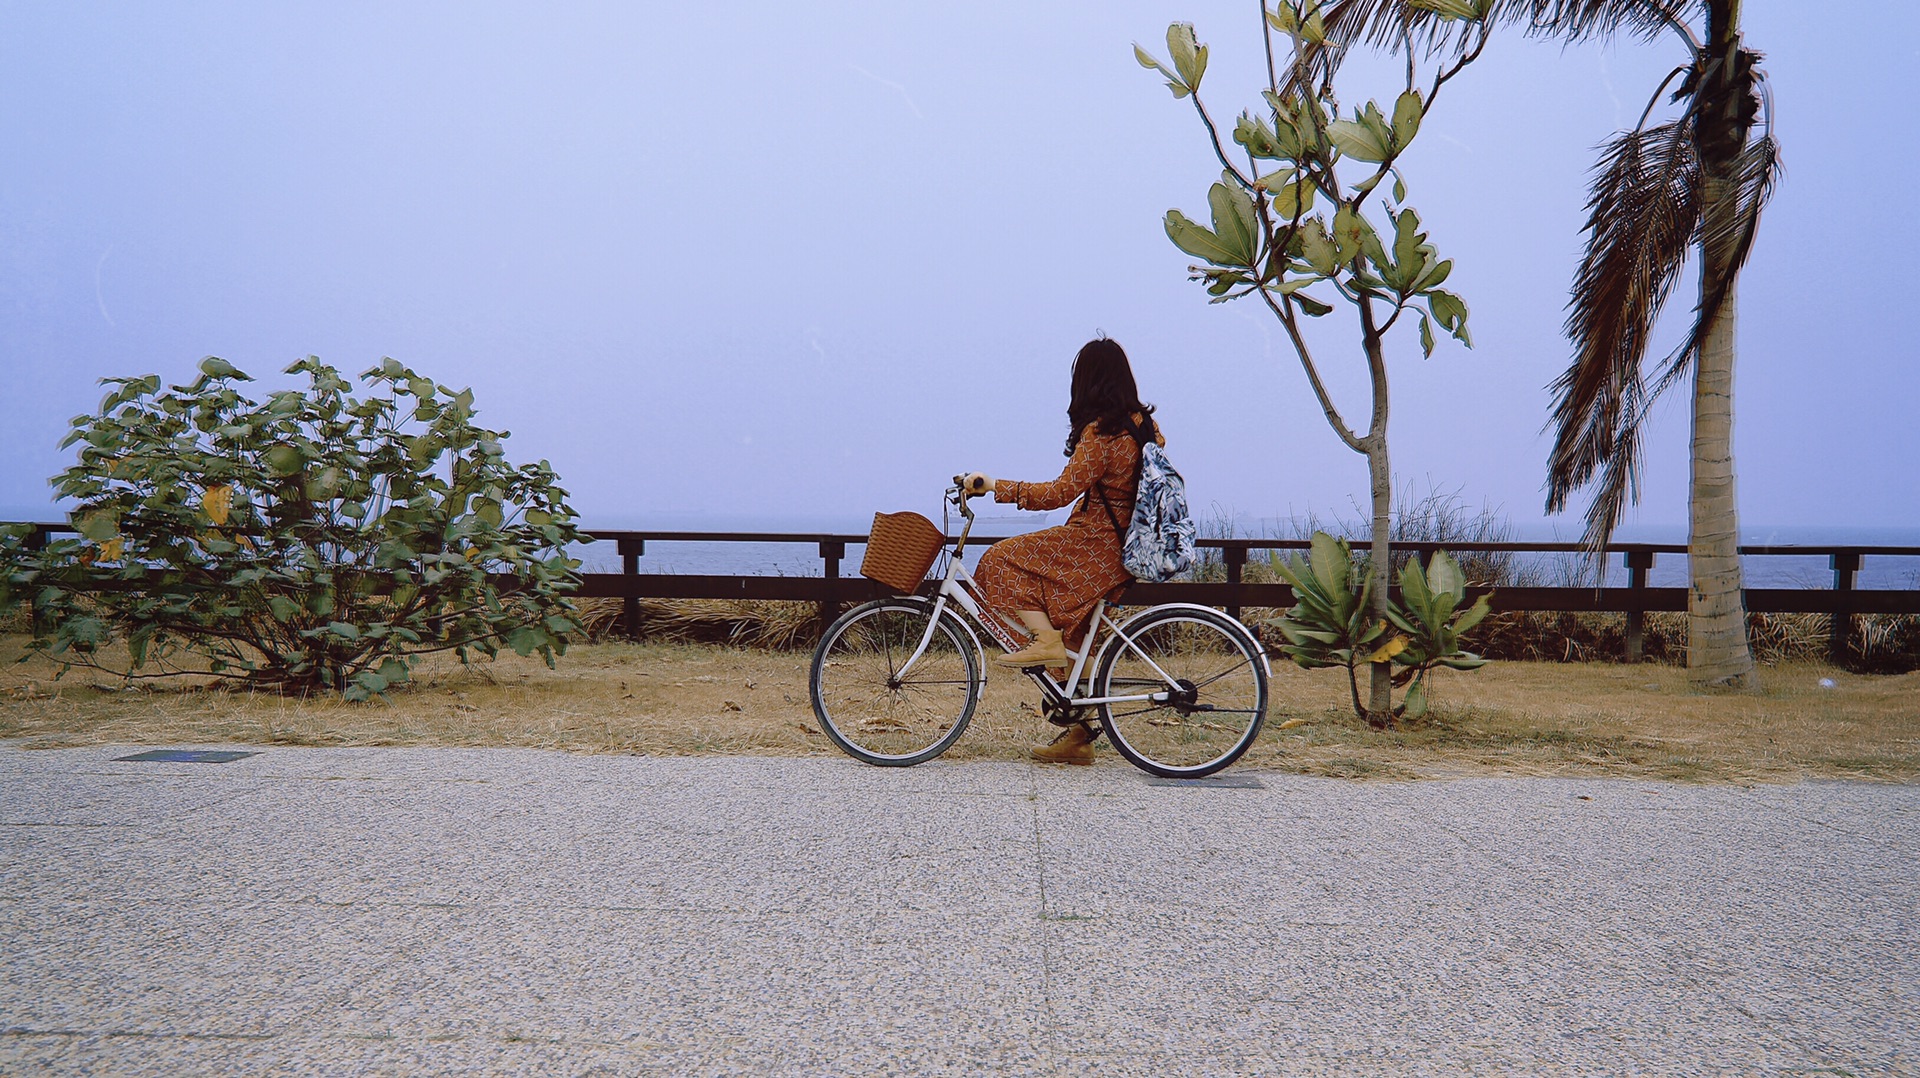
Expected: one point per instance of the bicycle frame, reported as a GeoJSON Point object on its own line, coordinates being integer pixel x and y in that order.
{"type": "Point", "coordinates": [957, 589]}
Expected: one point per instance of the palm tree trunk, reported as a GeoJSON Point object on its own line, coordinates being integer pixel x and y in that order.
{"type": "Point", "coordinates": [1718, 655]}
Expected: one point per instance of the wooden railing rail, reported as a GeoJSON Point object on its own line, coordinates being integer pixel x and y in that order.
{"type": "Point", "coordinates": [831, 590]}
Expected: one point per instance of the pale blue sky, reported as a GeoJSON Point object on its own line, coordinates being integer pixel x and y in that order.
{"type": "Point", "coordinates": [813, 259]}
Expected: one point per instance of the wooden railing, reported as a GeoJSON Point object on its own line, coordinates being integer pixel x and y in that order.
{"type": "Point", "coordinates": [831, 590]}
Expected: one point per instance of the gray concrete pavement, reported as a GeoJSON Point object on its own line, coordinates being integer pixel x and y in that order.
{"type": "Point", "coordinates": [338, 911]}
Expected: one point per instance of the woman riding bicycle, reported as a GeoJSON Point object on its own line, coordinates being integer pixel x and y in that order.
{"type": "Point", "coordinates": [1050, 580]}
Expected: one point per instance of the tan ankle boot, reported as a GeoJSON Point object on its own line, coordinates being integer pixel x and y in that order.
{"type": "Point", "coordinates": [1047, 649]}
{"type": "Point", "coordinates": [1074, 746]}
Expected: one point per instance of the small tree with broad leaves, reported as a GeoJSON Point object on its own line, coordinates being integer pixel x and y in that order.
{"type": "Point", "coordinates": [1294, 215]}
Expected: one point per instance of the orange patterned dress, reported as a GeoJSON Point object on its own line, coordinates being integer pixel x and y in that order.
{"type": "Point", "coordinates": [1066, 570]}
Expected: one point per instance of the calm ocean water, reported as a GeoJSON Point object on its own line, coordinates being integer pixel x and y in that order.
{"type": "Point", "coordinates": [803, 559]}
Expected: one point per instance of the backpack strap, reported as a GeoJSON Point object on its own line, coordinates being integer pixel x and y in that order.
{"type": "Point", "coordinates": [1118, 532]}
{"type": "Point", "coordinates": [1142, 433]}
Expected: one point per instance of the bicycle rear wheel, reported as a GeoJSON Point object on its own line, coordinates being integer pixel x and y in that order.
{"type": "Point", "coordinates": [1208, 683]}
{"type": "Point", "coordinates": [879, 709]}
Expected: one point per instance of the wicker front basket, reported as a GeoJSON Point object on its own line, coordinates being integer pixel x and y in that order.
{"type": "Point", "coordinates": [900, 550]}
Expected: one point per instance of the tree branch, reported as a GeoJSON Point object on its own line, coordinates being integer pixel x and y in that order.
{"type": "Point", "coordinates": [1339, 425]}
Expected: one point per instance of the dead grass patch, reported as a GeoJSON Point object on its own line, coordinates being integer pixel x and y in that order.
{"type": "Point", "coordinates": [1511, 718]}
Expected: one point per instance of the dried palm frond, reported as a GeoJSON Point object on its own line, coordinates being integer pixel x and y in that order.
{"type": "Point", "coordinates": [1756, 172]}
{"type": "Point", "coordinates": [1643, 215]}
{"type": "Point", "coordinates": [1589, 20]}
{"type": "Point", "coordinates": [1392, 23]}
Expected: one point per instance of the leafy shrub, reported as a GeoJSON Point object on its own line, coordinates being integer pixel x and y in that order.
{"type": "Point", "coordinates": [1332, 622]}
{"type": "Point", "coordinates": [313, 540]}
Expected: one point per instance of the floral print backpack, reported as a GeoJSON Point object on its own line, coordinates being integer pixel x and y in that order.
{"type": "Point", "coordinates": [1158, 543]}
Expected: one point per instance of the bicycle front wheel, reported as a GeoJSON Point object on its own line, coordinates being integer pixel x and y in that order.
{"type": "Point", "coordinates": [1200, 684]}
{"type": "Point", "coordinates": [876, 704]}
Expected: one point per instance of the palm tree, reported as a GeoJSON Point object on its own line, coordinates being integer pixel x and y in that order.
{"type": "Point", "coordinates": [1696, 181]}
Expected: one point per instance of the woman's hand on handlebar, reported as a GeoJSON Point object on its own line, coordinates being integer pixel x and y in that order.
{"type": "Point", "coordinates": [974, 484]}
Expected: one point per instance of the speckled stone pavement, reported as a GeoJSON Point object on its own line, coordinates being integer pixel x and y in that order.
{"type": "Point", "coordinates": [399, 911]}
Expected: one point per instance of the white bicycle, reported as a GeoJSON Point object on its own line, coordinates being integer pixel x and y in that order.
{"type": "Point", "coordinates": [1180, 689]}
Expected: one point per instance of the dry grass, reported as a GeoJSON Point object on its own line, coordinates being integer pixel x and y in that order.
{"type": "Point", "coordinates": [677, 699]}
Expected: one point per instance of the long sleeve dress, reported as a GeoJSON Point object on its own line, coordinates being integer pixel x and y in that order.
{"type": "Point", "coordinates": [1066, 570]}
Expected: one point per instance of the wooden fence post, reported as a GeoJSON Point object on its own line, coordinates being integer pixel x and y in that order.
{"type": "Point", "coordinates": [1638, 562]}
{"type": "Point", "coordinates": [1846, 566]}
{"type": "Point", "coordinates": [631, 547]}
{"type": "Point", "coordinates": [1235, 557]}
{"type": "Point", "coordinates": [831, 551]}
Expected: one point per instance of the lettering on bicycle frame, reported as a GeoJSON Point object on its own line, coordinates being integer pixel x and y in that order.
{"type": "Point", "coordinates": [971, 601]}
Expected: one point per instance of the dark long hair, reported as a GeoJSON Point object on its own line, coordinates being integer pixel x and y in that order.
{"type": "Point", "coordinates": [1104, 393]}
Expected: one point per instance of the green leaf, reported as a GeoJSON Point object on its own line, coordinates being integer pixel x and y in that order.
{"type": "Point", "coordinates": [284, 459]}
{"type": "Point", "coordinates": [1332, 563]}
{"type": "Point", "coordinates": [1473, 615]}
{"type": "Point", "coordinates": [1426, 335]}
{"type": "Point", "coordinates": [1399, 188]}
{"type": "Point", "coordinates": [1260, 140]}
{"type": "Point", "coordinates": [101, 526]}
{"type": "Point", "coordinates": [1284, 19]}
{"type": "Point", "coordinates": [1406, 120]}
{"type": "Point", "coordinates": [343, 630]}
{"type": "Point", "coordinates": [395, 672]}
{"type": "Point", "coordinates": [369, 682]}
{"type": "Point", "coordinates": [1435, 274]}
{"type": "Point", "coordinates": [1233, 219]}
{"type": "Point", "coordinates": [1189, 56]}
{"type": "Point", "coordinates": [1197, 240]}
{"type": "Point", "coordinates": [524, 639]}
{"type": "Point", "coordinates": [1358, 141]}
{"type": "Point", "coordinates": [1414, 590]}
{"type": "Point", "coordinates": [215, 367]}
{"type": "Point", "coordinates": [1318, 248]}
{"type": "Point", "coordinates": [1451, 312]}
{"type": "Point", "coordinates": [1444, 576]}
{"type": "Point", "coordinates": [1311, 307]}
{"type": "Point", "coordinates": [1349, 230]}
{"type": "Point", "coordinates": [1293, 199]}
{"type": "Point", "coordinates": [1416, 698]}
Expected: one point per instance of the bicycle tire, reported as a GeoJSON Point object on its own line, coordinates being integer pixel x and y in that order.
{"type": "Point", "coordinates": [1221, 675]}
{"type": "Point", "coordinates": [871, 713]}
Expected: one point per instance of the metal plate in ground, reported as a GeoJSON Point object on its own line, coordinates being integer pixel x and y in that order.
{"type": "Point", "coordinates": [184, 756]}
{"type": "Point", "coordinates": [1212, 782]}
